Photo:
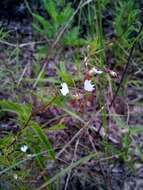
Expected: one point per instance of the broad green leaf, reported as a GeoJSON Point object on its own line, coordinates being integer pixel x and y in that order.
{"type": "Point", "coordinates": [44, 139]}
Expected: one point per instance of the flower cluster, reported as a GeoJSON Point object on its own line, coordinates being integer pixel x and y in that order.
{"type": "Point", "coordinates": [88, 86]}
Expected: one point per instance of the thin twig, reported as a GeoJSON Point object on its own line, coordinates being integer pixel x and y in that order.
{"type": "Point", "coordinates": [126, 67]}
{"type": "Point", "coordinates": [23, 44]}
{"type": "Point", "coordinates": [22, 75]}
{"type": "Point", "coordinates": [72, 139]}
{"type": "Point", "coordinates": [74, 157]}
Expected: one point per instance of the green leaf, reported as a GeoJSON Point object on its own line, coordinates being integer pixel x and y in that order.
{"type": "Point", "coordinates": [44, 27]}
{"type": "Point", "coordinates": [41, 20]}
{"type": "Point", "coordinates": [51, 9]}
{"type": "Point", "coordinates": [57, 127]}
{"type": "Point", "coordinates": [43, 139]}
{"type": "Point", "coordinates": [38, 157]}
{"type": "Point", "coordinates": [37, 28]}
{"type": "Point", "coordinates": [65, 76]}
{"type": "Point", "coordinates": [42, 51]}
{"type": "Point", "coordinates": [8, 139]}
{"type": "Point", "coordinates": [22, 110]}
{"type": "Point", "coordinates": [65, 14]}
{"type": "Point", "coordinates": [73, 33]}
{"type": "Point", "coordinates": [71, 38]}
{"type": "Point", "coordinates": [59, 101]}
{"type": "Point", "coordinates": [3, 34]}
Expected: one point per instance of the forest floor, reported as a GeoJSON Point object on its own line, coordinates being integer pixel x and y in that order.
{"type": "Point", "coordinates": [18, 57]}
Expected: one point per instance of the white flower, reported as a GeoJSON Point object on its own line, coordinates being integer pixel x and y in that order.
{"type": "Point", "coordinates": [112, 73]}
{"type": "Point", "coordinates": [86, 61]}
{"type": "Point", "coordinates": [95, 71]}
{"type": "Point", "coordinates": [15, 176]}
{"type": "Point", "coordinates": [24, 148]}
{"type": "Point", "coordinates": [65, 89]}
{"type": "Point", "coordinates": [88, 86]}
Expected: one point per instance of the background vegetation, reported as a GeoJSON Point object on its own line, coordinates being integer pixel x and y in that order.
{"type": "Point", "coordinates": [52, 141]}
